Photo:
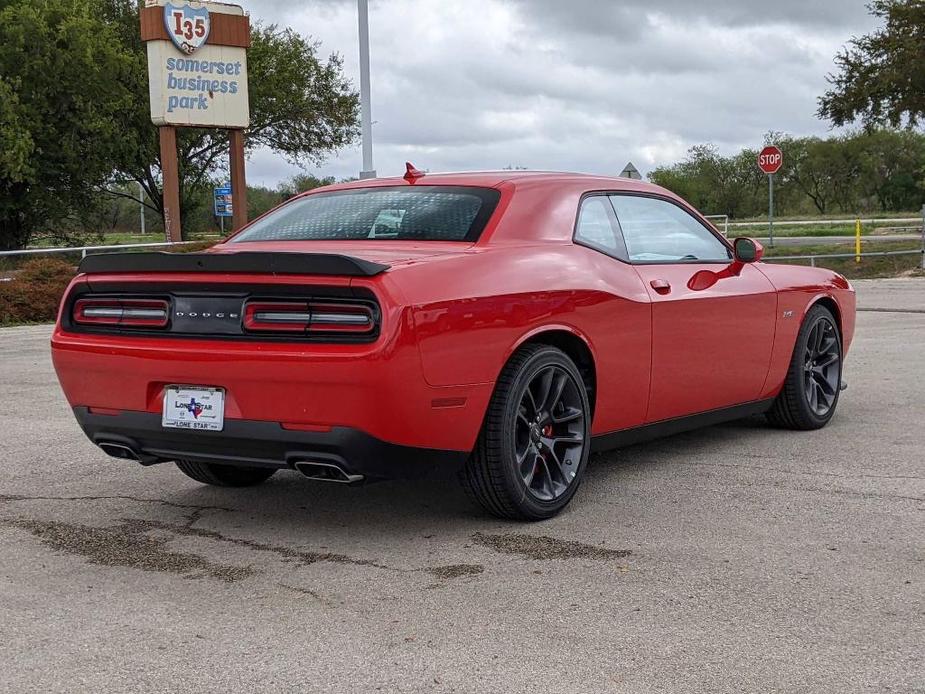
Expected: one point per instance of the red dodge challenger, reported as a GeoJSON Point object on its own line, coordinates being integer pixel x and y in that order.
{"type": "Point", "coordinates": [508, 323]}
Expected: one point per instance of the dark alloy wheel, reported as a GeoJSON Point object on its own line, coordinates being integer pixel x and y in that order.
{"type": "Point", "coordinates": [810, 393]}
{"type": "Point", "coordinates": [535, 442]}
{"type": "Point", "coordinates": [549, 437]}
{"type": "Point", "coordinates": [822, 367]}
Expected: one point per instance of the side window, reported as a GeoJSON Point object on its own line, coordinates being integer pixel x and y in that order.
{"type": "Point", "coordinates": [597, 227]}
{"type": "Point", "coordinates": [658, 231]}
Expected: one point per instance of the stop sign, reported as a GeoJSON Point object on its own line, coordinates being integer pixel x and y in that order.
{"type": "Point", "coordinates": [770, 160]}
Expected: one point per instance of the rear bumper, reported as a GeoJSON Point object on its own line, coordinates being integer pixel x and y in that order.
{"type": "Point", "coordinates": [375, 388]}
{"type": "Point", "coordinates": [264, 444]}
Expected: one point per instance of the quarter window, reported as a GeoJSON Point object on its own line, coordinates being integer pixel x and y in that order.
{"type": "Point", "coordinates": [597, 227]}
{"type": "Point", "coordinates": [657, 231]}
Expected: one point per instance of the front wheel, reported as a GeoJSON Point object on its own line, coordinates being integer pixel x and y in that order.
{"type": "Point", "coordinates": [810, 393]}
{"type": "Point", "coordinates": [225, 475]}
{"type": "Point", "coordinates": [535, 441]}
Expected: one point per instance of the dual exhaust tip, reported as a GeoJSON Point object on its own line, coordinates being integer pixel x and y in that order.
{"type": "Point", "coordinates": [119, 450]}
{"type": "Point", "coordinates": [324, 472]}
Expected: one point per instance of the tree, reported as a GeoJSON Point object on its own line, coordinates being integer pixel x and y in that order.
{"type": "Point", "coordinates": [62, 92]}
{"type": "Point", "coordinates": [301, 183]}
{"type": "Point", "coordinates": [881, 169]}
{"type": "Point", "coordinates": [302, 108]}
{"type": "Point", "coordinates": [891, 167]}
{"type": "Point", "coordinates": [881, 76]}
{"type": "Point", "coordinates": [712, 182]}
{"type": "Point", "coordinates": [75, 121]}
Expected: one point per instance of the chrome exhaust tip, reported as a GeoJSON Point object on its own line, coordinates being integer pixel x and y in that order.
{"type": "Point", "coordinates": [326, 472]}
{"type": "Point", "coordinates": [119, 450]}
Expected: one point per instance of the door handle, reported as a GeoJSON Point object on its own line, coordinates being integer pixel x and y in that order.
{"type": "Point", "coordinates": [661, 286]}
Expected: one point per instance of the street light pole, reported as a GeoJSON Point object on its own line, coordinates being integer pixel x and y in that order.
{"type": "Point", "coordinates": [366, 116]}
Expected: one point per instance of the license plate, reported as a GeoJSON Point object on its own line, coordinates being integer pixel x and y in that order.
{"type": "Point", "coordinates": [191, 407]}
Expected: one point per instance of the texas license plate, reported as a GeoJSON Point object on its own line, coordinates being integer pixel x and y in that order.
{"type": "Point", "coordinates": [198, 408]}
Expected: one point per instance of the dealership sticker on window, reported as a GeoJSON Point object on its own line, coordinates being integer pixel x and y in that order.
{"type": "Point", "coordinates": [197, 408]}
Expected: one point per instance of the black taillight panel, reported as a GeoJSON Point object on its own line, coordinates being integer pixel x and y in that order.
{"type": "Point", "coordinates": [310, 317]}
{"type": "Point", "coordinates": [122, 312]}
{"type": "Point", "coordinates": [311, 314]}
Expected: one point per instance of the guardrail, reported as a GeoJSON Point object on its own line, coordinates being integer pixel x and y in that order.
{"type": "Point", "coordinates": [915, 221]}
{"type": "Point", "coordinates": [83, 250]}
{"type": "Point", "coordinates": [812, 258]}
{"type": "Point", "coordinates": [724, 218]}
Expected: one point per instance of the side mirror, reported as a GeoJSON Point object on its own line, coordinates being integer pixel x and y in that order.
{"type": "Point", "coordinates": [747, 250]}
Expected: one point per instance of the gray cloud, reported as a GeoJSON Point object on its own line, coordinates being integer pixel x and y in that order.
{"type": "Point", "coordinates": [576, 85]}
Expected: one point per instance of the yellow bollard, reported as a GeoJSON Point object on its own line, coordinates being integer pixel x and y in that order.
{"type": "Point", "coordinates": [857, 242]}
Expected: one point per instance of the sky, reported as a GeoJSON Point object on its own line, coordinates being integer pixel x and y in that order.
{"type": "Point", "coordinates": [572, 85]}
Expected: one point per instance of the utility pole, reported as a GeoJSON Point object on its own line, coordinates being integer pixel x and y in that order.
{"type": "Point", "coordinates": [366, 114]}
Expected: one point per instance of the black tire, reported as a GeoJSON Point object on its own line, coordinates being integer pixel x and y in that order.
{"type": "Point", "coordinates": [225, 475]}
{"type": "Point", "coordinates": [554, 460]}
{"type": "Point", "coordinates": [810, 393]}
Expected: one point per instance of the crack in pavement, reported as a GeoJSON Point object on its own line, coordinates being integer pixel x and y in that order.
{"type": "Point", "coordinates": [126, 545]}
{"type": "Point", "coordinates": [129, 544]}
{"type": "Point", "coordinates": [163, 502]}
{"type": "Point", "coordinates": [303, 557]}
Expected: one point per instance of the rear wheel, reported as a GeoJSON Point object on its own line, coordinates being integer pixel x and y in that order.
{"type": "Point", "coordinates": [225, 475]}
{"type": "Point", "coordinates": [534, 444]}
{"type": "Point", "coordinates": [810, 393]}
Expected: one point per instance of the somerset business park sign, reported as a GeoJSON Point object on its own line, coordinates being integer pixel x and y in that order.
{"type": "Point", "coordinates": [197, 63]}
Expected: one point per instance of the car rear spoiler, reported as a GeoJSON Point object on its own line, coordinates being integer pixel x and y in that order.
{"type": "Point", "coordinates": [246, 261]}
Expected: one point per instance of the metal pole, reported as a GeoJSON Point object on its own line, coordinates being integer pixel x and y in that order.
{"type": "Point", "coordinates": [771, 210]}
{"type": "Point", "coordinates": [141, 206]}
{"type": "Point", "coordinates": [923, 237]}
{"type": "Point", "coordinates": [857, 242]}
{"type": "Point", "coordinates": [366, 114]}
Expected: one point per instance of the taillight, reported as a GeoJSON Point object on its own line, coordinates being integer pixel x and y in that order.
{"type": "Point", "coordinates": [128, 313]}
{"type": "Point", "coordinates": [308, 317]}
{"type": "Point", "coordinates": [289, 317]}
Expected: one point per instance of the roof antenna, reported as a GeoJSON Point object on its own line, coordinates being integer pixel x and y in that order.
{"type": "Point", "coordinates": [412, 174]}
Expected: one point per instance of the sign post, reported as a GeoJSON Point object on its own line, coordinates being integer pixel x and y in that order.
{"type": "Point", "coordinates": [857, 241]}
{"type": "Point", "coordinates": [224, 203]}
{"type": "Point", "coordinates": [171, 173]}
{"type": "Point", "coordinates": [923, 237]}
{"type": "Point", "coordinates": [770, 159]}
{"type": "Point", "coordinates": [197, 76]}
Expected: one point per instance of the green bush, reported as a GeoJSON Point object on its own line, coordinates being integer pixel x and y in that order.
{"type": "Point", "coordinates": [33, 295]}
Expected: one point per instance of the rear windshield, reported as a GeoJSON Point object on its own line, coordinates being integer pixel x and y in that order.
{"type": "Point", "coordinates": [424, 213]}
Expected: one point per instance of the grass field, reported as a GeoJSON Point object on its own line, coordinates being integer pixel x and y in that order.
{"type": "Point", "coordinates": [869, 267]}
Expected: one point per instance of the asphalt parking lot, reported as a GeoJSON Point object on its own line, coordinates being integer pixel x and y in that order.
{"type": "Point", "coordinates": [733, 559]}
